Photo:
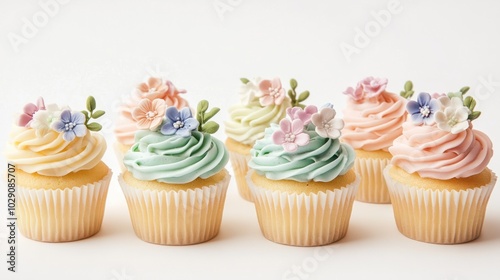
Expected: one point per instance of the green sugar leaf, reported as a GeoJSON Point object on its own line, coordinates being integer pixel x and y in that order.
{"type": "Point", "coordinates": [408, 86]}
{"type": "Point", "coordinates": [211, 113]}
{"type": "Point", "coordinates": [244, 80]}
{"type": "Point", "coordinates": [98, 114]}
{"type": "Point", "coordinates": [94, 126]}
{"type": "Point", "coordinates": [464, 90]}
{"type": "Point", "coordinates": [202, 106]}
{"type": "Point", "coordinates": [467, 101]}
{"type": "Point", "coordinates": [474, 115]}
{"type": "Point", "coordinates": [86, 115]}
{"type": "Point", "coordinates": [91, 103]}
{"type": "Point", "coordinates": [303, 96]}
{"type": "Point", "coordinates": [293, 83]}
{"type": "Point", "coordinates": [210, 127]}
{"type": "Point", "coordinates": [291, 95]}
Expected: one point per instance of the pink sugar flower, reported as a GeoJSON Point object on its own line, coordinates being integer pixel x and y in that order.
{"type": "Point", "coordinates": [271, 92]}
{"type": "Point", "coordinates": [153, 88]}
{"type": "Point", "coordinates": [291, 135]}
{"type": "Point", "coordinates": [149, 114]}
{"type": "Point", "coordinates": [302, 114]}
{"type": "Point", "coordinates": [29, 110]}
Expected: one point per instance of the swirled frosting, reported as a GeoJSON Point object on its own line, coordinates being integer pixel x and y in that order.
{"type": "Point", "coordinates": [438, 154]}
{"type": "Point", "coordinates": [373, 123]}
{"type": "Point", "coordinates": [175, 159]}
{"type": "Point", "coordinates": [126, 127]}
{"type": "Point", "coordinates": [322, 160]}
{"type": "Point", "coordinates": [51, 155]}
{"type": "Point", "coordinates": [247, 123]}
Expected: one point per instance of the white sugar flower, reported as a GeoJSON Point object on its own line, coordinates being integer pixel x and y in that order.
{"type": "Point", "coordinates": [327, 126]}
{"type": "Point", "coordinates": [43, 119]}
{"type": "Point", "coordinates": [249, 91]}
{"type": "Point", "coordinates": [453, 116]}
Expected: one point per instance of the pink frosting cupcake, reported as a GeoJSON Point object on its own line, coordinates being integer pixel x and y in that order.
{"type": "Point", "coordinates": [373, 119]}
{"type": "Point", "coordinates": [438, 178]}
{"type": "Point", "coordinates": [143, 109]}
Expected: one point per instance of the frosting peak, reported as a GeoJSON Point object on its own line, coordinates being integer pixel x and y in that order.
{"type": "Point", "coordinates": [373, 123]}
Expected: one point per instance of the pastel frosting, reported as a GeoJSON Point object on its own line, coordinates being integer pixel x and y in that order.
{"type": "Point", "coordinates": [175, 159]}
{"type": "Point", "coordinates": [50, 154]}
{"type": "Point", "coordinates": [438, 154]}
{"type": "Point", "coordinates": [321, 160]}
{"type": "Point", "coordinates": [126, 126]}
{"type": "Point", "coordinates": [373, 123]}
{"type": "Point", "coordinates": [247, 122]}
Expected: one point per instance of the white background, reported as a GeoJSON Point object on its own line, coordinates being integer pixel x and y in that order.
{"type": "Point", "coordinates": [104, 48]}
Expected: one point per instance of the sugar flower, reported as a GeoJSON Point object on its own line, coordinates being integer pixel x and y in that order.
{"type": "Point", "coordinates": [71, 124]}
{"type": "Point", "coordinates": [43, 119]}
{"type": "Point", "coordinates": [29, 110]}
{"type": "Point", "coordinates": [172, 91]}
{"type": "Point", "coordinates": [367, 88]}
{"type": "Point", "coordinates": [271, 92]}
{"type": "Point", "coordinates": [291, 135]}
{"type": "Point", "coordinates": [327, 126]}
{"type": "Point", "coordinates": [152, 89]}
{"type": "Point", "coordinates": [179, 122]}
{"type": "Point", "coordinates": [149, 114]}
{"type": "Point", "coordinates": [453, 116]}
{"type": "Point", "coordinates": [423, 110]}
{"type": "Point", "coordinates": [302, 114]}
{"type": "Point", "coordinates": [249, 91]}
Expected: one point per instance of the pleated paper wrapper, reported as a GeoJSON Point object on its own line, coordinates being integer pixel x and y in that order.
{"type": "Point", "coordinates": [439, 216]}
{"type": "Point", "coordinates": [240, 168]}
{"type": "Point", "coordinates": [372, 188]}
{"type": "Point", "coordinates": [304, 220]}
{"type": "Point", "coordinates": [176, 217]}
{"type": "Point", "coordinates": [64, 214]}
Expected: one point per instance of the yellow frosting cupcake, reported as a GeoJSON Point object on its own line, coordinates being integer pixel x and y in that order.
{"type": "Point", "coordinates": [62, 182]}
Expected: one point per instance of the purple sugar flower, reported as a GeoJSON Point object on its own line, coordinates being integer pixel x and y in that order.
{"type": "Point", "coordinates": [423, 110]}
{"type": "Point", "coordinates": [179, 122]}
{"type": "Point", "coordinates": [71, 124]}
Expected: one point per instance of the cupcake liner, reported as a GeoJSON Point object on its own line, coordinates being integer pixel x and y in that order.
{"type": "Point", "coordinates": [304, 220]}
{"type": "Point", "coordinates": [372, 188]}
{"type": "Point", "coordinates": [240, 167]}
{"type": "Point", "coordinates": [176, 217]}
{"type": "Point", "coordinates": [439, 216]}
{"type": "Point", "coordinates": [64, 214]}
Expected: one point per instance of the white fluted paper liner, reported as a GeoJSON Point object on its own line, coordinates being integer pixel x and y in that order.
{"type": "Point", "coordinates": [372, 187]}
{"type": "Point", "coordinates": [304, 220]}
{"type": "Point", "coordinates": [176, 217]}
{"type": "Point", "coordinates": [439, 216]}
{"type": "Point", "coordinates": [240, 168]}
{"type": "Point", "coordinates": [64, 214]}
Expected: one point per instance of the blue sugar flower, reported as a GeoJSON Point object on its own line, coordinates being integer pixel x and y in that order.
{"type": "Point", "coordinates": [179, 122]}
{"type": "Point", "coordinates": [71, 124]}
{"type": "Point", "coordinates": [423, 110]}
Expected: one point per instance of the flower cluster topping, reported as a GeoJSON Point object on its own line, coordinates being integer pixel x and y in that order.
{"type": "Point", "coordinates": [449, 112]}
{"type": "Point", "coordinates": [270, 92]}
{"type": "Point", "coordinates": [156, 116]}
{"type": "Point", "coordinates": [71, 124]}
{"type": "Point", "coordinates": [367, 88]}
{"type": "Point", "coordinates": [291, 134]}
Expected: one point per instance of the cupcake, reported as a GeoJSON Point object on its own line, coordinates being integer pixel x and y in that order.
{"type": "Point", "coordinates": [262, 102]}
{"type": "Point", "coordinates": [175, 183]}
{"type": "Point", "coordinates": [154, 93]}
{"type": "Point", "coordinates": [62, 182]}
{"type": "Point", "coordinates": [438, 178]}
{"type": "Point", "coordinates": [302, 179]}
{"type": "Point", "coordinates": [373, 119]}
